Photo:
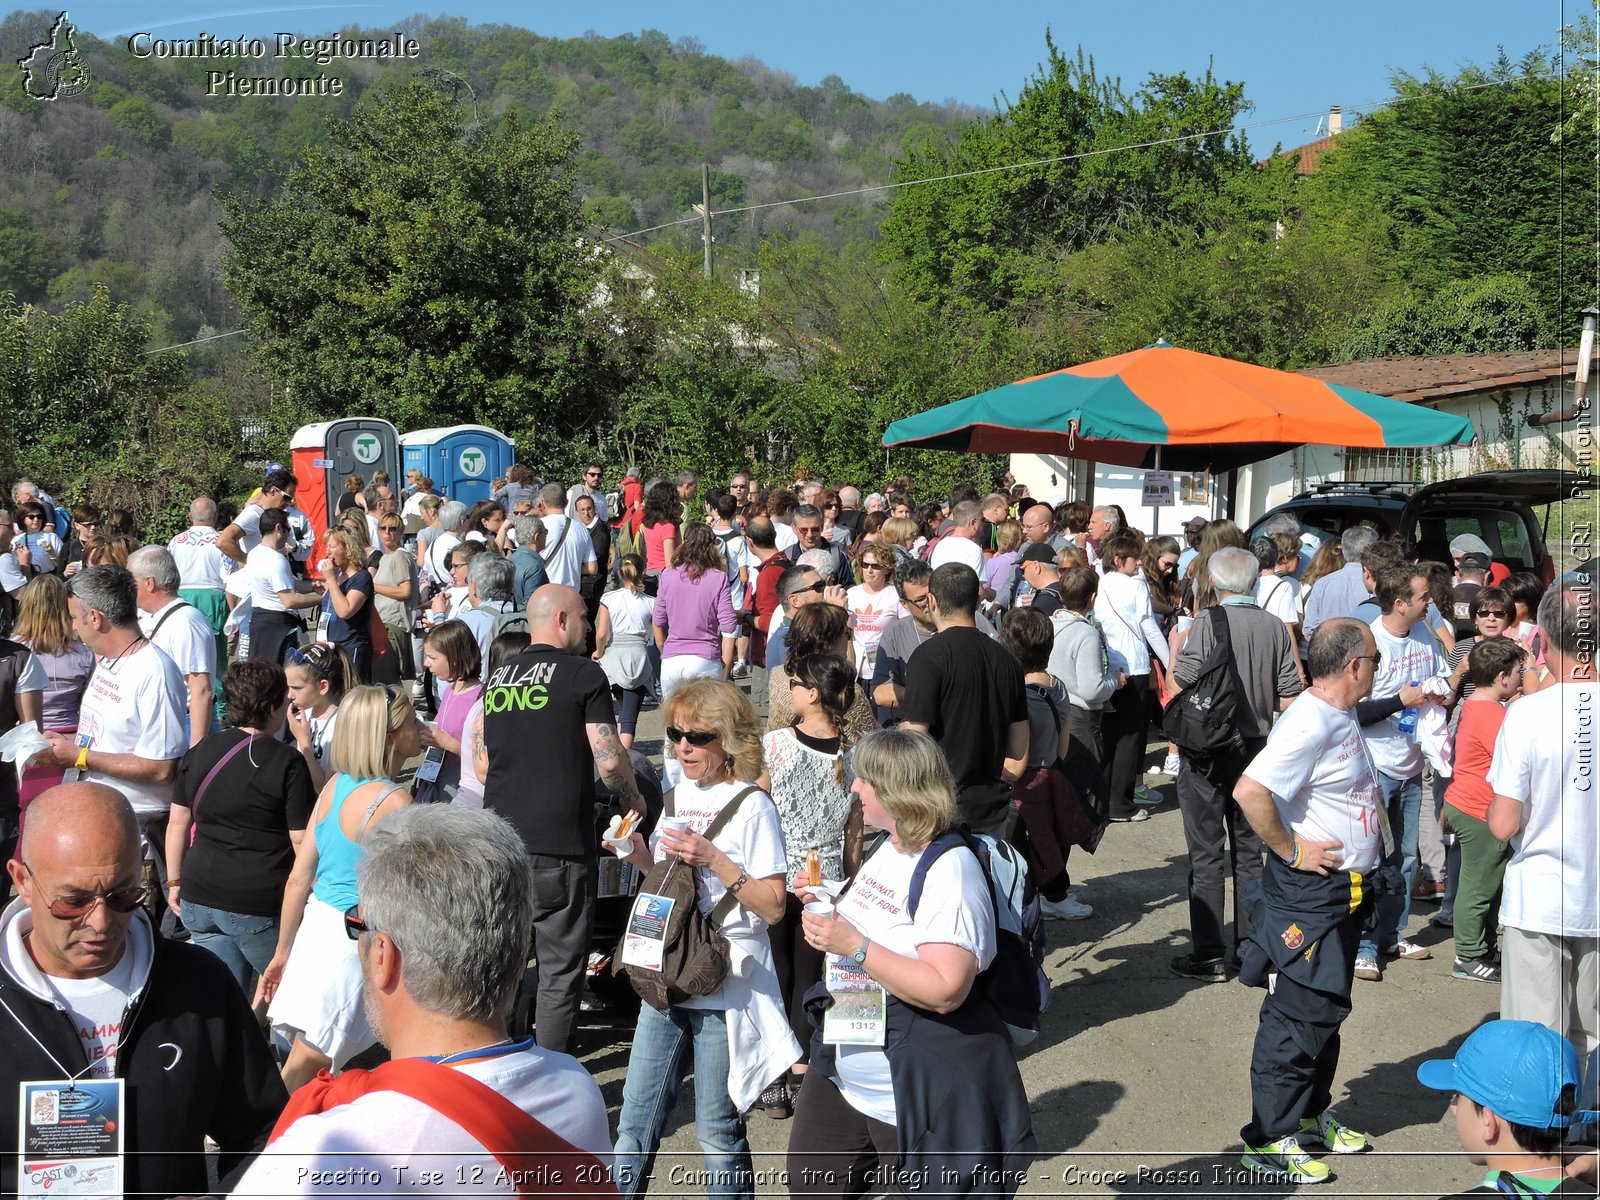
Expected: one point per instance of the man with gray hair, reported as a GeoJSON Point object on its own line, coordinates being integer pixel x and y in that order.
{"type": "Point", "coordinates": [527, 560]}
{"type": "Point", "coordinates": [1337, 595]}
{"type": "Point", "coordinates": [438, 983]}
{"type": "Point", "coordinates": [1267, 678]}
{"type": "Point", "coordinates": [1309, 539]}
{"type": "Point", "coordinates": [26, 489]}
{"type": "Point", "coordinates": [688, 484]}
{"type": "Point", "coordinates": [1542, 777]}
{"type": "Point", "coordinates": [491, 599]}
{"type": "Point", "coordinates": [1104, 522]}
{"type": "Point", "coordinates": [130, 727]}
{"type": "Point", "coordinates": [179, 629]}
{"type": "Point", "coordinates": [201, 567]}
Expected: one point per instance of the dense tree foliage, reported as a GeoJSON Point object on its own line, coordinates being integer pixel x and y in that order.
{"type": "Point", "coordinates": [422, 285]}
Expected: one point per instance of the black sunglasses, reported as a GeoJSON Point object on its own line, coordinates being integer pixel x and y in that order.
{"type": "Point", "coordinates": [1494, 612]}
{"type": "Point", "coordinates": [354, 926]}
{"type": "Point", "coordinates": [81, 904]}
{"type": "Point", "coordinates": [818, 586]}
{"type": "Point", "coordinates": [695, 737]}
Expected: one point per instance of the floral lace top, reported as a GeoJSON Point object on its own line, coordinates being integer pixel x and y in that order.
{"type": "Point", "coordinates": [812, 806]}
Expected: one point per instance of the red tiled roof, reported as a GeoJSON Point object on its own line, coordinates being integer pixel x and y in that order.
{"type": "Point", "coordinates": [1439, 376]}
{"type": "Point", "coordinates": [1310, 153]}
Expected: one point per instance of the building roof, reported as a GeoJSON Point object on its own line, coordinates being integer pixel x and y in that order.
{"type": "Point", "coordinates": [1310, 153]}
{"type": "Point", "coordinates": [1436, 377]}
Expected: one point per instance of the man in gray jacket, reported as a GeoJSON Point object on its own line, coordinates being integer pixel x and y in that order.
{"type": "Point", "coordinates": [1268, 673]}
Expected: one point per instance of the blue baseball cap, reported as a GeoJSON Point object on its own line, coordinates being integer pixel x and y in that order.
{"type": "Point", "coordinates": [1517, 1069]}
{"type": "Point", "coordinates": [274, 466]}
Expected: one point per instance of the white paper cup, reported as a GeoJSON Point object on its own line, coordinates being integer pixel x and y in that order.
{"type": "Point", "coordinates": [674, 824]}
{"type": "Point", "coordinates": [820, 908]}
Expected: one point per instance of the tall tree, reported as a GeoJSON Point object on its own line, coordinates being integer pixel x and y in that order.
{"type": "Point", "coordinates": [425, 270]}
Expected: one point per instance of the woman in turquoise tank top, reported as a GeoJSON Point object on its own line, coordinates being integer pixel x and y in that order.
{"type": "Point", "coordinates": [313, 983]}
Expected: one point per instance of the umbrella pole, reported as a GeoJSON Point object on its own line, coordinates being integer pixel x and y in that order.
{"type": "Point", "coordinates": [1155, 521]}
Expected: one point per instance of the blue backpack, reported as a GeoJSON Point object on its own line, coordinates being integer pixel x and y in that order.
{"type": "Point", "coordinates": [1014, 982]}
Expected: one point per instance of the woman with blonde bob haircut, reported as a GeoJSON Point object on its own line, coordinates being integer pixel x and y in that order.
{"type": "Point", "coordinates": [942, 1081]}
{"type": "Point", "coordinates": [313, 983]}
{"type": "Point", "coordinates": [345, 611]}
{"type": "Point", "coordinates": [739, 1034]}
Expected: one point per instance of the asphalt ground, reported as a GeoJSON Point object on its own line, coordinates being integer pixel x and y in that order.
{"type": "Point", "coordinates": [1140, 1080]}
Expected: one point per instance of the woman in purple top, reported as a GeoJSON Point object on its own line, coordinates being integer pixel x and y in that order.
{"type": "Point", "coordinates": [695, 627]}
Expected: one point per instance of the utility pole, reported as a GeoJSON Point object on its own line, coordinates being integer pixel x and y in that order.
{"type": "Point", "coordinates": [705, 213]}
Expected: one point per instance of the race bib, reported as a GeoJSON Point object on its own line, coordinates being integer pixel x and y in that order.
{"type": "Point", "coordinates": [644, 943]}
{"type": "Point", "coordinates": [859, 1015]}
{"type": "Point", "coordinates": [432, 763]}
{"type": "Point", "coordinates": [70, 1134]}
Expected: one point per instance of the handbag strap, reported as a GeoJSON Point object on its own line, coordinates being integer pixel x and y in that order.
{"type": "Point", "coordinates": [551, 553]}
{"type": "Point", "coordinates": [164, 616]}
{"type": "Point", "coordinates": [373, 807]}
{"type": "Point", "coordinates": [194, 808]}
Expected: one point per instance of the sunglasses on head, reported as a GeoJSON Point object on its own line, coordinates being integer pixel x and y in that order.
{"type": "Point", "coordinates": [81, 904]}
{"type": "Point", "coordinates": [314, 656]}
{"type": "Point", "coordinates": [695, 737]}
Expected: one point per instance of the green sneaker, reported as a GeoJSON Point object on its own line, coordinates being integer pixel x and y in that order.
{"type": "Point", "coordinates": [1283, 1159]}
{"type": "Point", "coordinates": [1332, 1136]}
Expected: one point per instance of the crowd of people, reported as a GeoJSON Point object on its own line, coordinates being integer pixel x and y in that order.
{"type": "Point", "coordinates": [369, 790]}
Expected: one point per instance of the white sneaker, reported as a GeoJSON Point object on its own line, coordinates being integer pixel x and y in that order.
{"type": "Point", "coordinates": [1068, 908]}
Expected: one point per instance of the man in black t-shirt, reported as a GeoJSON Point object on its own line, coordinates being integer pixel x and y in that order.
{"type": "Point", "coordinates": [967, 693]}
{"type": "Point", "coordinates": [548, 727]}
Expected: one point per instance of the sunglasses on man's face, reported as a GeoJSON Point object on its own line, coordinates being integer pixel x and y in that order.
{"type": "Point", "coordinates": [76, 905]}
{"type": "Point", "coordinates": [695, 737]}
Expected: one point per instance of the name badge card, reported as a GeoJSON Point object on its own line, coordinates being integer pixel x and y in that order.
{"type": "Point", "coordinates": [432, 763]}
{"type": "Point", "coordinates": [71, 1138]}
{"type": "Point", "coordinates": [859, 1014]}
{"type": "Point", "coordinates": [645, 942]}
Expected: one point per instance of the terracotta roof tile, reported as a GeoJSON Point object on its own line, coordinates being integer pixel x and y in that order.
{"type": "Point", "coordinates": [1437, 376]}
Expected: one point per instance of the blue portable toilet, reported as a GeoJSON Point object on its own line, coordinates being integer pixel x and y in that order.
{"type": "Point", "coordinates": [462, 460]}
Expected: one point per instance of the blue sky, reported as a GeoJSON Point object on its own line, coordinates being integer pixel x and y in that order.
{"type": "Point", "coordinates": [1295, 58]}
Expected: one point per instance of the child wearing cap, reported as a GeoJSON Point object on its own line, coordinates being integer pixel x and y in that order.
{"type": "Point", "coordinates": [1516, 1096]}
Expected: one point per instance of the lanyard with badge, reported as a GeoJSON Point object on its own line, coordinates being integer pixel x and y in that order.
{"type": "Point", "coordinates": [69, 1135]}
{"type": "Point", "coordinates": [859, 1014]}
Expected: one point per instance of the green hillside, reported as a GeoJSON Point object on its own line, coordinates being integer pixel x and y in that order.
{"type": "Point", "coordinates": [118, 186]}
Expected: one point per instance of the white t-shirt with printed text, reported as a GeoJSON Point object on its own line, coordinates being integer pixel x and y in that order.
{"type": "Point", "coordinates": [1322, 779]}
{"type": "Point", "coordinates": [1544, 759]}
{"type": "Point", "coordinates": [1414, 657]}
{"type": "Point", "coordinates": [753, 839]}
{"type": "Point", "coordinates": [136, 704]}
{"type": "Point", "coordinates": [955, 909]}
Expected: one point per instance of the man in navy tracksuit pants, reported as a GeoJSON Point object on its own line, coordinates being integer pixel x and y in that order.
{"type": "Point", "coordinates": [1314, 798]}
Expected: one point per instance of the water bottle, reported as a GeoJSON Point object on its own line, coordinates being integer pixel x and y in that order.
{"type": "Point", "coordinates": [1408, 718]}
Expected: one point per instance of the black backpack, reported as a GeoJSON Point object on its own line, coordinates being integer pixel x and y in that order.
{"type": "Point", "coordinates": [695, 955]}
{"type": "Point", "coordinates": [1202, 720]}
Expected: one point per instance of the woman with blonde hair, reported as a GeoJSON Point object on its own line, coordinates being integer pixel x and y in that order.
{"type": "Point", "coordinates": [313, 983]}
{"type": "Point", "coordinates": [346, 620]}
{"type": "Point", "coordinates": [900, 535]}
{"type": "Point", "coordinates": [1198, 592]}
{"type": "Point", "coordinates": [44, 625]}
{"type": "Point", "coordinates": [940, 1091]}
{"type": "Point", "coordinates": [695, 628]}
{"type": "Point", "coordinates": [739, 1034]}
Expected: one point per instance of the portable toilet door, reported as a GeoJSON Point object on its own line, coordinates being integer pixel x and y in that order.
{"type": "Point", "coordinates": [324, 455]}
{"type": "Point", "coordinates": [462, 460]}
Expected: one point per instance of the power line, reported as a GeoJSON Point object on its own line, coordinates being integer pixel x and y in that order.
{"type": "Point", "coordinates": [211, 338]}
{"type": "Point", "coordinates": [869, 189]}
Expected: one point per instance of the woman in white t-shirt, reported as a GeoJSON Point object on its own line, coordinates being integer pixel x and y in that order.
{"type": "Point", "coordinates": [851, 1118]}
{"type": "Point", "coordinates": [873, 603]}
{"type": "Point", "coordinates": [738, 1035]}
{"type": "Point", "coordinates": [622, 644]}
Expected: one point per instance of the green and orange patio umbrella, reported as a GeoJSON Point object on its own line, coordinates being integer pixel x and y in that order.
{"type": "Point", "coordinates": [1164, 406]}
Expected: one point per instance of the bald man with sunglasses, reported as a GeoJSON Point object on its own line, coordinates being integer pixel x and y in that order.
{"type": "Point", "coordinates": [93, 997]}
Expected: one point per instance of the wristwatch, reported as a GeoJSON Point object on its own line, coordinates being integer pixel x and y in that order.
{"type": "Point", "coordinates": [859, 956]}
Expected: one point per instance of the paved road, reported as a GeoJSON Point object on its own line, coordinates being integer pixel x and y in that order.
{"type": "Point", "coordinates": [1140, 1080]}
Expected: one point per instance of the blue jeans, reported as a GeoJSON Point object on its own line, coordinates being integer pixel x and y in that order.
{"type": "Point", "coordinates": [655, 1069]}
{"type": "Point", "coordinates": [244, 943]}
{"type": "Point", "coordinates": [1403, 799]}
